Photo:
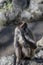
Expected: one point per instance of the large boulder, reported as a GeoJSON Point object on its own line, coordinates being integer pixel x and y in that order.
{"type": "Point", "coordinates": [12, 9]}
{"type": "Point", "coordinates": [25, 15]}
{"type": "Point", "coordinates": [21, 3]}
{"type": "Point", "coordinates": [33, 12]}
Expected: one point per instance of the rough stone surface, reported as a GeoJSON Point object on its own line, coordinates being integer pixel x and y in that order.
{"type": "Point", "coordinates": [38, 1]}
{"type": "Point", "coordinates": [40, 42]}
{"type": "Point", "coordinates": [10, 15]}
{"type": "Point", "coordinates": [7, 60]}
{"type": "Point", "coordinates": [33, 11]}
{"type": "Point", "coordinates": [2, 18]}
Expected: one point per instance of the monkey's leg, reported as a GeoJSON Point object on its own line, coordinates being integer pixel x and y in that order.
{"type": "Point", "coordinates": [26, 52]}
{"type": "Point", "coordinates": [18, 55]}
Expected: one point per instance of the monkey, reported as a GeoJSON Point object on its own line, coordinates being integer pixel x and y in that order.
{"type": "Point", "coordinates": [20, 44]}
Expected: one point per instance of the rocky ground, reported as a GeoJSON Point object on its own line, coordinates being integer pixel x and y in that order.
{"type": "Point", "coordinates": [9, 10]}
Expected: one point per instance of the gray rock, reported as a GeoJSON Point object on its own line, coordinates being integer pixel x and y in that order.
{"type": "Point", "coordinates": [34, 10]}
{"type": "Point", "coordinates": [2, 18]}
{"type": "Point", "coordinates": [41, 7]}
{"type": "Point", "coordinates": [21, 3]}
{"type": "Point", "coordinates": [7, 60]}
{"type": "Point", "coordinates": [26, 15]}
{"type": "Point", "coordinates": [40, 42]}
{"type": "Point", "coordinates": [39, 54]}
{"type": "Point", "coordinates": [38, 1]}
{"type": "Point", "coordinates": [2, 3]}
{"type": "Point", "coordinates": [10, 15]}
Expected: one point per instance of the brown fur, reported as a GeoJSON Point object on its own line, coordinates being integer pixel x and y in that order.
{"type": "Point", "coordinates": [20, 49]}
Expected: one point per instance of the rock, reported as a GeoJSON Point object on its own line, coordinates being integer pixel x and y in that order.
{"type": "Point", "coordinates": [7, 60]}
{"type": "Point", "coordinates": [2, 18]}
{"type": "Point", "coordinates": [34, 10]}
{"type": "Point", "coordinates": [10, 15]}
{"type": "Point", "coordinates": [2, 3]}
{"type": "Point", "coordinates": [21, 3]}
{"type": "Point", "coordinates": [41, 7]}
{"type": "Point", "coordinates": [31, 13]}
{"type": "Point", "coordinates": [39, 54]}
{"type": "Point", "coordinates": [18, 6]}
{"type": "Point", "coordinates": [39, 50]}
{"type": "Point", "coordinates": [26, 15]}
{"type": "Point", "coordinates": [38, 1]}
{"type": "Point", "coordinates": [40, 42]}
